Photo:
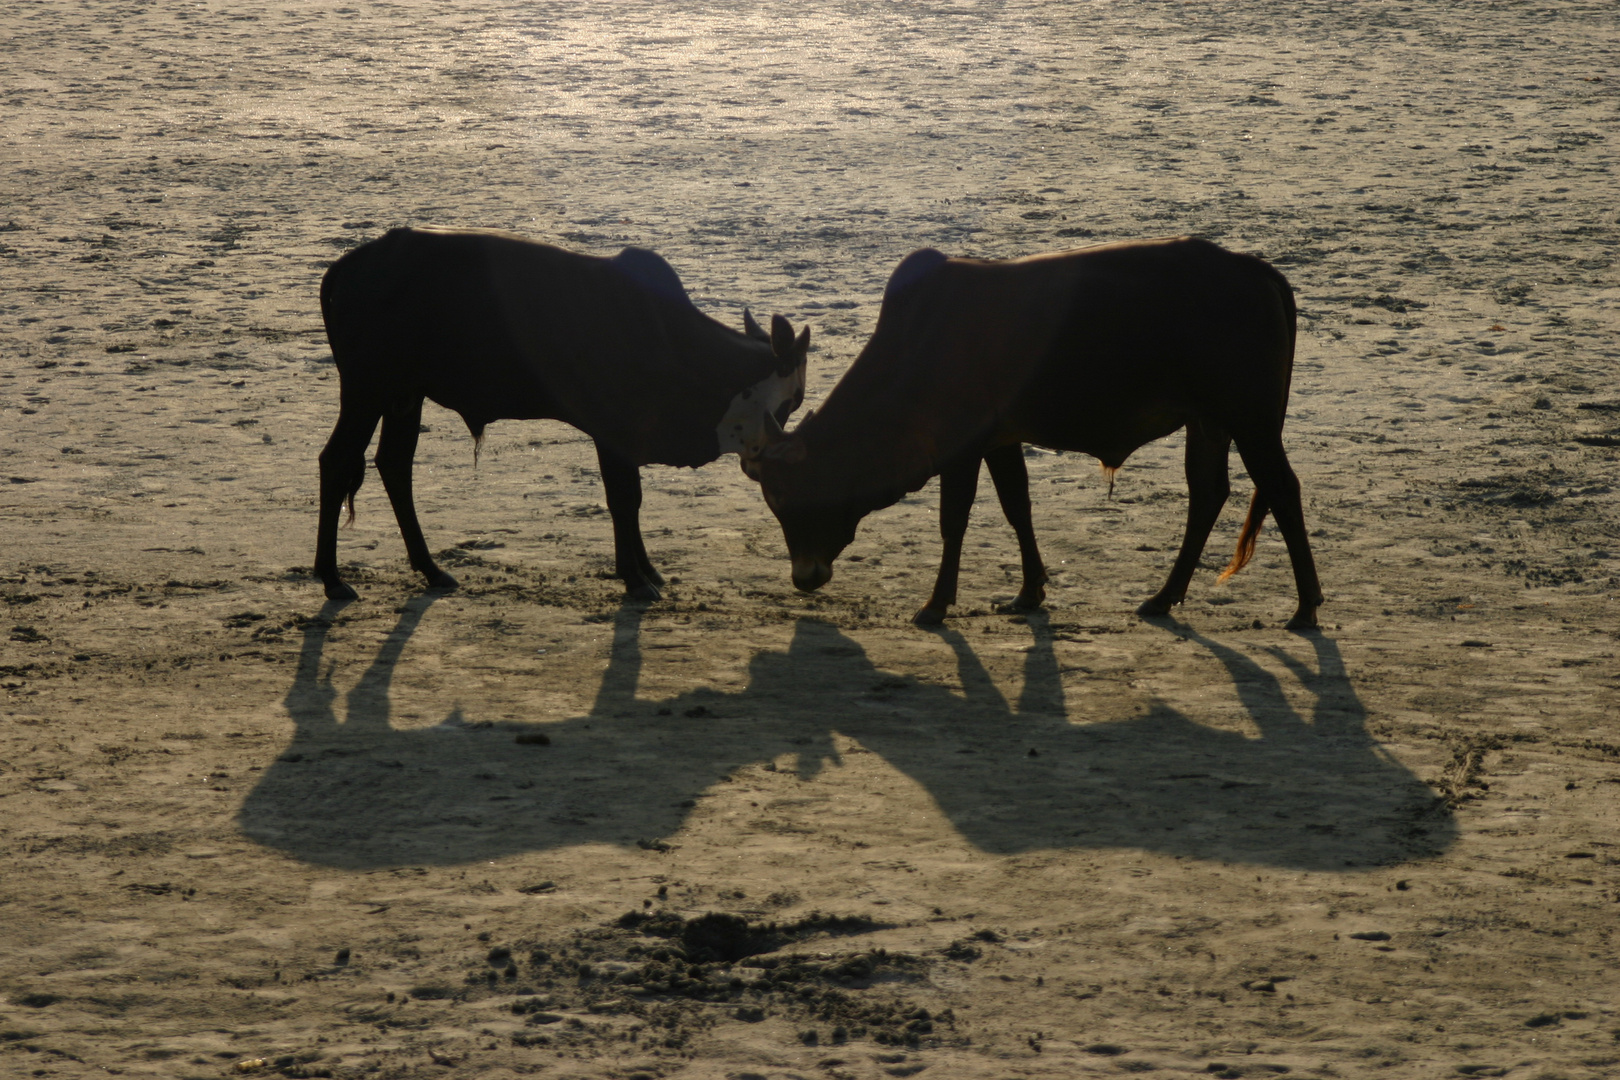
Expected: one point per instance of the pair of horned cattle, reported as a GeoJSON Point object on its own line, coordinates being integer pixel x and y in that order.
{"type": "Point", "coordinates": [496, 327]}
{"type": "Point", "coordinates": [1101, 351]}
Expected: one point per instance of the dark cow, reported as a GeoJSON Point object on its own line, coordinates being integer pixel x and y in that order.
{"type": "Point", "coordinates": [1101, 351]}
{"type": "Point", "coordinates": [496, 327]}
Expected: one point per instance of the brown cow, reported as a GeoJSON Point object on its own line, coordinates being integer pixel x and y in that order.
{"type": "Point", "coordinates": [1100, 350]}
{"type": "Point", "coordinates": [496, 327]}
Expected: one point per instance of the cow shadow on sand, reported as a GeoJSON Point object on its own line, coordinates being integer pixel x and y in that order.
{"type": "Point", "coordinates": [1312, 791]}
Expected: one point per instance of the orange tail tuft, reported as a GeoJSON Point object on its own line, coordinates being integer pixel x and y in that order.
{"type": "Point", "coordinates": [1251, 530]}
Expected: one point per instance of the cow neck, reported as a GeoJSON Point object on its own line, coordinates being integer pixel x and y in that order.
{"type": "Point", "coordinates": [754, 358]}
{"type": "Point", "coordinates": [730, 360]}
{"type": "Point", "coordinates": [854, 446]}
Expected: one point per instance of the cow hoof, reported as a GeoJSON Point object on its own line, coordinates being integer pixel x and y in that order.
{"type": "Point", "coordinates": [1024, 602]}
{"type": "Point", "coordinates": [1302, 620]}
{"type": "Point", "coordinates": [1154, 609]}
{"type": "Point", "coordinates": [930, 616]}
{"type": "Point", "coordinates": [336, 590]}
{"type": "Point", "coordinates": [442, 581]}
{"type": "Point", "coordinates": [646, 592]}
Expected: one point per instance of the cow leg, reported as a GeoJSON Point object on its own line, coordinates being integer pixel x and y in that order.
{"type": "Point", "coordinates": [1207, 488]}
{"type": "Point", "coordinates": [1274, 479]}
{"type": "Point", "coordinates": [1011, 478]}
{"type": "Point", "coordinates": [396, 450]}
{"type": "Point", "coordinates": [621, 479]}
{"type": "Point", "coordinates": [343, 469]}
{"type": "Point", "coordinates": [958, 483]}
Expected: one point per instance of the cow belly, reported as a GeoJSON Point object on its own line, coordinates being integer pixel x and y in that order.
{"type": "Point", "coordinates": [639, 435]}
{"type": "Point", "coordinates": [1110, 447]}
{"type": "Point", "coordinates": [1109, 434]}
{"type": "Point", "coordinates": [512, 402]}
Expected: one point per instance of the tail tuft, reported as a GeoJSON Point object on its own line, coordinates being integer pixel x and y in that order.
{"type": "Point", "coordinates": [1251, 530]}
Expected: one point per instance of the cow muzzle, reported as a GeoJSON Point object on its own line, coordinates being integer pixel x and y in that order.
{"type": "Point", "coordinates": [810, 574]}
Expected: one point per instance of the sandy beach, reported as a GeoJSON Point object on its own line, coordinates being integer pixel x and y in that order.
{"type": "Point", "coordinates": [528, 829]}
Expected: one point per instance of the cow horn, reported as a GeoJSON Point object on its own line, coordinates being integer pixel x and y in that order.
{"type": "Point", "coordinates": [789, 449]}
{"type": "Point", "coordinates": [773, 434]}
{"type": "Point", "coordinates": [752, 328]}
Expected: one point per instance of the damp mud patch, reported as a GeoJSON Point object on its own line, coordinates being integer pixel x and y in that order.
{"type": "Point", "coordinates": [656, 980]}
{"type": "Point", "coordinates": [725, 938]}
{"type": "Point", "coordinates": [1523, 490]}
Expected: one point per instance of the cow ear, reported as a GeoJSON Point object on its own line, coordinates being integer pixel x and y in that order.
{"type": "Point", "coordinates": [753, 329]}
{"type": "Point", "coordinates": [781, 337]}
{"type": "Point", "coordinates": [792, 354]}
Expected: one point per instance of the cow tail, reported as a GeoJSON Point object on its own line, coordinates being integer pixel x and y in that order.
{"type": "Point", "coordinates": [1251, 530]}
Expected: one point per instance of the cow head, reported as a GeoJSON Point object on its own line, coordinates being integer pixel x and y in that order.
{"type": "Point", "coordinates": [817, 524]}
{"type": "Point", "coordinates": [747, 424]}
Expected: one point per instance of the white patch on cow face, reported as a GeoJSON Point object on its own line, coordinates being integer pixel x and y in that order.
{"type": "Point", "coordinates": [750, 421]}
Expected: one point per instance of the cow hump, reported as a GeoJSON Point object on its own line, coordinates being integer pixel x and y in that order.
{"type": "Point", "coordinates": [912, 269]}
{"type": "Point", "coordinates": [649, 270]}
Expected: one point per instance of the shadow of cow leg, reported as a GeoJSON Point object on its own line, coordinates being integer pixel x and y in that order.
{"type": "Point", "coordinates": [1042, 694]}
{"type": "Point", "coordinates": [1339, 711]}
{"type": "Point", "coordinates": [1259, 691]}
{"type": "Point", "coordinates": [978, 686]}
{"type": "Point", "coordinates": [369, 710]}
{"type": "Point", "coordinates": [620, 681]}
{"type": "Point", "coordinates": [309, 699]}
